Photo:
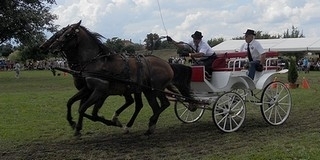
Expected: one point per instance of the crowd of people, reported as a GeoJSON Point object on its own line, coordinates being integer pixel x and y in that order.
{"type": "Point", "coordinates": [7, 65]}
{"type": "Point", "coordinates": [309, 64]}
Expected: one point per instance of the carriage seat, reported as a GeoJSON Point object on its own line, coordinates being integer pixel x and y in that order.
{"type": "Point", "coordinates": [221, 62]}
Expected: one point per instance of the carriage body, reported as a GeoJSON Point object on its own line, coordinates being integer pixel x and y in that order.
{"type": "Point", "coordinates": [229, 74]}
{"type": "Point", "coordinates": [229, 89]}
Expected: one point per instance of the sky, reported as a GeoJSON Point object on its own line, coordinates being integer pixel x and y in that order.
{"type": "Point", "coordinates": [134, 19]}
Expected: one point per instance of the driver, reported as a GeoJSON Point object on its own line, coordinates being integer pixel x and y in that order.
{"type": "Point", "coordinates": [203, 53]}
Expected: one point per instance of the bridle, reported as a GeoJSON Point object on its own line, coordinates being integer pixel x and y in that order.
{"type": "Point", "coordinates": [73, 36]}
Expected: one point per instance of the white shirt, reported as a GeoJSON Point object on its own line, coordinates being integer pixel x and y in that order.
{"type": "Point", "coordinates": [255, 49]}
{"type": "Point", "coordinates": [17, 66]}
{"type": "Point", "coordinates": [203, 48]}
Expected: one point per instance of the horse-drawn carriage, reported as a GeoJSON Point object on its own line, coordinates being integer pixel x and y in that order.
{"type": "Point", "coordinates": [229, 88]}
{"type": "Point", "coordinates": [98, 73]}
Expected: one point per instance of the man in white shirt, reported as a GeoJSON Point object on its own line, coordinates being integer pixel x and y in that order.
{"type": "Point", "coordinates": [17, 69]}
{"type": "Point", "coordinates": [202, 51]}
{"type": "Point", "coordinates": [256, 54]}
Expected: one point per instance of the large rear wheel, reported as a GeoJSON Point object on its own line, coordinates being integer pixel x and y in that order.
{"type": "Point", "coordinates": [229, 112]}
{"type": "Point", "coordinates": [275, 103]}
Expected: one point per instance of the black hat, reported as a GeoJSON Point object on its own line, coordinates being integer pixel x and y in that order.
{"type": "Point", "coordinates": [197, 35]}
{"type": "Point", "coordinates": [250, 32]}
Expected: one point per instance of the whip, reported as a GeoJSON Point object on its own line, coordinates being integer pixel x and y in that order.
{"type": "Point", "coordinates": [162, 18]}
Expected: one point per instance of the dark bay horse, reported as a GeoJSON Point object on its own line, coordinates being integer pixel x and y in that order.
{"type": "Point", "coordinates": [84, 92]}
{"type": "Point", "coordinates": [107, 74]}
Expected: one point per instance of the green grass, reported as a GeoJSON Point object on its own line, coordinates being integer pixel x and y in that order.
{"type": "Point", "coordinates": [33, 126]}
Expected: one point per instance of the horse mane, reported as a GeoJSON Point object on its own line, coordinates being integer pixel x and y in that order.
{"type": "Point", "coordinates": [97, 38]}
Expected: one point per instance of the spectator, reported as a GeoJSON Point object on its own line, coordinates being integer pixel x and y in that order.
{"type": "Point", "coordinates": [305, 65]}
{"type": "Point", "coordinates": [17, 69]}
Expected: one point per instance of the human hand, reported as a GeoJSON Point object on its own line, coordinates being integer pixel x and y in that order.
{"type": "Point", "coordinates": [169, 39]}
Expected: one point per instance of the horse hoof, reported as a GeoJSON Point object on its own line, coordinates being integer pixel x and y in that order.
{"type": "Point", "coordinates": [148, 133]}
{"type": "Point", "coordinates": [117, 122]}
{"type": "Point", "coordinates": [73, 125]}
{"type": "Point", "coordinates": [77, 134]}
{"type": "Point", "coordinates": [125, 130]}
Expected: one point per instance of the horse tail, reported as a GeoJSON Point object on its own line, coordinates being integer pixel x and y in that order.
{"type": "Point", "coordinates": [182, 78]}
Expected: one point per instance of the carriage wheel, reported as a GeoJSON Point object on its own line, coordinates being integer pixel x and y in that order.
{"type": "Point", "coordinates": [275, 103]}
{"type": "Point", "coordinates": [229, 112]}
{"type": "Point", "coordinates": [187, 113]}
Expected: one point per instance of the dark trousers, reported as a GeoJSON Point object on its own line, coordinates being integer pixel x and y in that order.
{"type": "Point", "coordinates": [207, 63]}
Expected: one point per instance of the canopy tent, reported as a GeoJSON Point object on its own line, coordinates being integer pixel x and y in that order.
{"type": "Point", "coordinates": [315, 46]}
{"type": "Point", "coordinates": [280, 45]}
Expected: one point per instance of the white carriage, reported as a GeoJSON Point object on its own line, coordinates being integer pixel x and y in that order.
{"type": "Point", "coordinates": [229, 89]}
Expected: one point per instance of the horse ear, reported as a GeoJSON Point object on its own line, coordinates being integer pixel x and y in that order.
{"type": "Point", "coordinates": [78, 24]}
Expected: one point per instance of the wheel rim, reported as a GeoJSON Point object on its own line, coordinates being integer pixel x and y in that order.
{"type": "Point", "coordinates": [229, 112]}
{"type": "Point", "coordinates": [187, 115]}
{"type": "Point", "coordinates": [276, 103]}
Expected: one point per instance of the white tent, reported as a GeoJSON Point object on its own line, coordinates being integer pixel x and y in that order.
{"type": "Point", "coordinates": [315, 46]}
{"type": "Point", "coordinates": [280, 45]}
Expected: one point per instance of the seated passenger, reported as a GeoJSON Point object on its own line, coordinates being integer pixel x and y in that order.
{"type": "Point", "coordinates": [256, 54]}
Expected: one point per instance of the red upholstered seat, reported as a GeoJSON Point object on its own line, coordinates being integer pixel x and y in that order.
{"type": "Point", "coordinates": [197, 74]}
{"type": "Point", "coordinates": [219, 63]}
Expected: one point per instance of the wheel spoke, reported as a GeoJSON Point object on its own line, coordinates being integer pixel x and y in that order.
{"type": "Point", "coordinates": [238, 111]}
{"type": "Point", "coordinates": [279, 115]}
{"type": "Point", "coordinates": [184, 112]}
{"type": "Point", "coordinates": [271, 111]}
{"type": "Point", "coordinates": [282, 98]}
{"type": "Point", "coordinates": [268, 95]}
{"type": "Point", "coordinates": [270, 107]}
{"type": "Point", "coordinates": [223, 118]}
{"type": "Point", "coordinates": [235, 121]}
{"type": "Point", "coordinates": [230, 123]}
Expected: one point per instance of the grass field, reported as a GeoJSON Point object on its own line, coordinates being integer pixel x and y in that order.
{"type": "Point", "coordinates": [33, 126]}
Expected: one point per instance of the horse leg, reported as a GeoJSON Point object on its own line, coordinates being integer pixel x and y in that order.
{"type": "Point", "coordinates": [80, 95]}
{"type": "Point", "coordinates": [99, 88]}
{"type": "Point", "coordinates": [95, 117]}
{"type": "Point", "coordinates": [82, 109]}
{"type": "Point", "coordinates": [138, 107]}
{"type": "Point", "coordinates": [152, 100]}
{"type": "Point", "coordinates": [154, 119]}
{"type": "Point", "coordinates": [97, 98]}
{"type": "Point", "coordinates": [129, 101]}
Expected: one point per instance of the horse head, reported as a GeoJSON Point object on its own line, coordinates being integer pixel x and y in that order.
{"type": "Point", "coordinates": [65, 38]}
{"type": "Point", "coordinates": [46, 45]}
{"type": "Point", "coordinates": [78, 41]}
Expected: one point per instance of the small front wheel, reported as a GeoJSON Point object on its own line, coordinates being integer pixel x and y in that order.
{"type": "Point", "coordinates": [229, 112]}
{"type": "Point", "coordinates": [188, 112]}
